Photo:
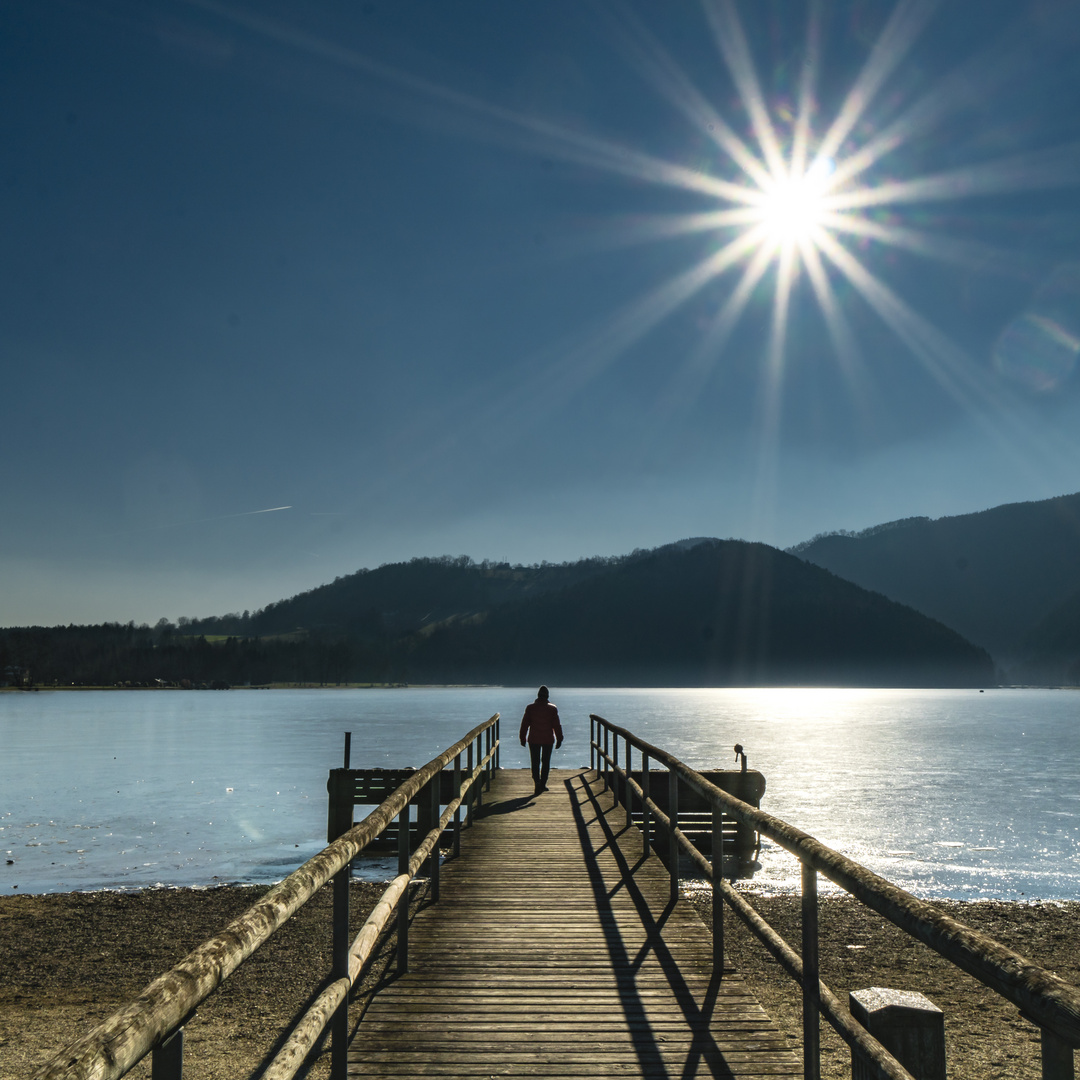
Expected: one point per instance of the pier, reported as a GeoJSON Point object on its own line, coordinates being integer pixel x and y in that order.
{"type": "Point", "coordinates": [555, 949]}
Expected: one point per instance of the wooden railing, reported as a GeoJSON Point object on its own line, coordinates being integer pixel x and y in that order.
{"type": "Point", "coordinates": [154, 1021]}
{"type": "Point", "coordinates": [1042, 997]}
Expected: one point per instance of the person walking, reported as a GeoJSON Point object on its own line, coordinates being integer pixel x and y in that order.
{"type": "Point", "coordinates": [540, 727]}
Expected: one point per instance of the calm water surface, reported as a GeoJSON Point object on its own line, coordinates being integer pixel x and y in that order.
{"type": "Point", "coordinates": [948, 793]}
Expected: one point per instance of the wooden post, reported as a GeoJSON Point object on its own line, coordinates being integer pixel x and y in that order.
{"type": "Point", "coordinates": [498, 743]}
{"type": "Point", "coordinates": [403, 854]}
{"type": "Point", "coordinates": [436, 810]}
{"type": "Point", "coordinates": [457, 812]}
{"type": "Point", "coordinates": [167, 1059]}
{"type": "Point", "coordinates": [339, 1047]}
{"type": "Point", "coordinates": [592, 744]}
{"type": "Point", "coordinates": [614, 769]}
{"type": "Point", "coordinates": [673, 843]}
{"type": "Point", "coordinates": [628, 798]}
{"type": "Point", "coordinates": [910, 1026]}
{"type": "Point", "coordinates": [469, 799]}
{"type": "Point", "coordinates": [646, 816]}
{"type": "Point", "coordinates": [1057, 1057]}
{"type": "Point", "coordinates": [717, 893]}
{"type": "Point", "coordinates": [480, 778]}
{"type": "Point", "coordinates": [339, 821]}
{"type": "Point", "coordinates": [604, 758]}
{"type": "Point", "coordinates": [811, 991]}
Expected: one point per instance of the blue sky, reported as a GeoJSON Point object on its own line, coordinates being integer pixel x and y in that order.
{"type": "Point", "coordinates": [519, 281]}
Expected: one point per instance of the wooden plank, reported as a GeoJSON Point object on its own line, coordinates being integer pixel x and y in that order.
{"type": "Point", "coordinates": [554, 951]}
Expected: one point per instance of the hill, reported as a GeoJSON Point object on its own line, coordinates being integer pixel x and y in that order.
{"type": "Point", "coordinates": [995, 577]}
{"type": "Point", "coordinates": [694, 613]}
{"type": "Point", "coordinates": [721, 613]}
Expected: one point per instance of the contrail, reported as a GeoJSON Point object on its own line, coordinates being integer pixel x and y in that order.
{"type": "Point", "coordinates": [246, 513]}
{"type": "Point", "coordinates": [196, 521]}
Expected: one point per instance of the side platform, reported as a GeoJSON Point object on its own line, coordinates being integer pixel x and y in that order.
{"type": "Point", "coordinates": [556, 951]}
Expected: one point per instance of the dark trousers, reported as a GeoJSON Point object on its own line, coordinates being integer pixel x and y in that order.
{"type": "Point", "coordinates": [541, 762]}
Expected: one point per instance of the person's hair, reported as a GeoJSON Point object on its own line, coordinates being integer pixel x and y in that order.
{"type": "Point", "coordinates": [542, 693]}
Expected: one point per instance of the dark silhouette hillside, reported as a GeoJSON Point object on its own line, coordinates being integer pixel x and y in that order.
{"type": "Point", "coordinates": [721, 613]}
{"type": "Point", "coordinates": [694, 613]}
{"type": "Point", "coordinates": [402, 597]}
{"type": "Point", "coordinates": [994, 577]}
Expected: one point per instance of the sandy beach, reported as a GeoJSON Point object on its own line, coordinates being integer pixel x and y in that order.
{"type": "Point", "coordinates": [71, 958]}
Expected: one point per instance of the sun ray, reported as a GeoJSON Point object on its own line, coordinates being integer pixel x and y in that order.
{"type": "Point", "coordinates": [932, 245]}
{"type": "Point", "coordinates": [671, 81]}
{"type": "Point", "coordinates": [800, 141]}
{"type": "Point", "coordinates": [904, 26]}
{"type": "Point", "coordinates": [943, 360]}
{"type": "Point", "coordinates": [648, 228]}
{"type": "Point", "coordinates": [836, 322]}
{"type": "Point", "coordinates": [1055, 167]}
{"type": "Point", "coordinates": [729, 36]}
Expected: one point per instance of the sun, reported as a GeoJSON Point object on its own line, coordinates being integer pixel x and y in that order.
{"type": "Point", "coordinates": [794, 206]}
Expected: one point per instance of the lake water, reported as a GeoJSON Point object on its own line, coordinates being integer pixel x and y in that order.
{"type": "Point", "coordinates": [947, 793]}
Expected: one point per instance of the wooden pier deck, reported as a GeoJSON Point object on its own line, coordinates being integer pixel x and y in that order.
{"type": "Point", "coordinates": [555, 951]}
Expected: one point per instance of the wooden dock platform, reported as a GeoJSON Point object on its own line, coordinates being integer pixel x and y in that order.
{"type": "Point", "coordinates": [555, 951]}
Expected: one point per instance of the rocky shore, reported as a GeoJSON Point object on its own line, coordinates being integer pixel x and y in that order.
{"type": "Point", "coordinates": [71, 959]}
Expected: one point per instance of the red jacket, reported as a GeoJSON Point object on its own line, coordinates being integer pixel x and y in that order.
{"type": "Point", "coordinates": [541, 724]}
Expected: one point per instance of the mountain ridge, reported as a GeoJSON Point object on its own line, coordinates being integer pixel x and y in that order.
{"type": "Point", "coordinates": [995, 576]}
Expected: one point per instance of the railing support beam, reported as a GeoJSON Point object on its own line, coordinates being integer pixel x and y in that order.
{"type": "Point", "coordinates": [615, 771]}
{"type": "Point", "coordinates": [673, 843]}
{"type": "Point", "coordinates": [457, 812]}
{"type": "Point", "coordinates": [718, 893]}
{"type": "Point", "coordinates": [403, 909]}
{"type": "Point", "coordinates": [1057, 1057]}
{"type": "Point", "coordinates": [646, 814]}
{"type": "Point", "coordinates": [167, 1058]}
{"type": "Point", "coordinates": [811, 997]}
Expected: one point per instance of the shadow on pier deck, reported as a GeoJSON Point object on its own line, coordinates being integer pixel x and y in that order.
{"type": "Point", "coordinates": [555, 950]}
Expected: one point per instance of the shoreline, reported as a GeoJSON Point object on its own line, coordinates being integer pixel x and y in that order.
{"type": "Point", "coordinates": [72, 958]}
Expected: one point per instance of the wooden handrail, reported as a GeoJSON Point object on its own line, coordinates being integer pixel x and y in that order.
{"type": "Point", "coordinates": [1051, 1001]}
{"type": "Point", "coordinates": [114, 1046]}
{"type": "Point", "coordinates": [1043, 997]}
{"type": "Point", "coordinates": [307, 1031]}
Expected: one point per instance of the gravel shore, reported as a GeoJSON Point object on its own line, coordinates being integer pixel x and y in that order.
{"type": "Point", "coordinates": [70, 959]}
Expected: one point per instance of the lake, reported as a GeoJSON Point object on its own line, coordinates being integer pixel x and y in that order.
{"type": "Point", "coordinates": [948, 793]}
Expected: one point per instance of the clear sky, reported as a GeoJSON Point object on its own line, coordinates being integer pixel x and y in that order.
{"type": "Point", "coordinates": [287, 290]}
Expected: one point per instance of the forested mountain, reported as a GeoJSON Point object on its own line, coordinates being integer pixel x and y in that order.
{"type": "Point", "coordinates": [723, 613]}
{"type": "Point", "coordinates": [1001, 578]}
{"type": "Point", "coordinates": [703, 612]}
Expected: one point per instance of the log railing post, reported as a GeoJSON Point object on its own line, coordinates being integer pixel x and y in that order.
{"type": "Point", "coordinates": [628, 798]}
{"type": "Point", "coordinates": [811, 995]}
{"type": "Point", "coordinates": [604, 758]}
{"type": "Point", "coordinates": [498, 744]}
{"type": "Point", "coordinates": [480, 778]}
{"type": "Point", "coordinates": [673, 825]}
{"type": "Point", "coordinates": [457, 812]}
{"type": "Point", "coordinates": [646, 815]}
{"type": "Point", "coordinates": [340, 820]}
{"type": "Point", "coordinates": [1057, 1057]}
{"type": "Point", "coordinates": [167, 1058]}
{"type": "Point", "coordinates": [403, 855]}
{"type": "Point", "coordinates": [469, 797]}
{"type": "Point", "coordinates": [717, 893]}
{"type": "Point", "coordinates": [433, 822]}
{"type": "Point", "coordinates": [592, 744]}
{"type": "Point", "coordinates": [614, 769]}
